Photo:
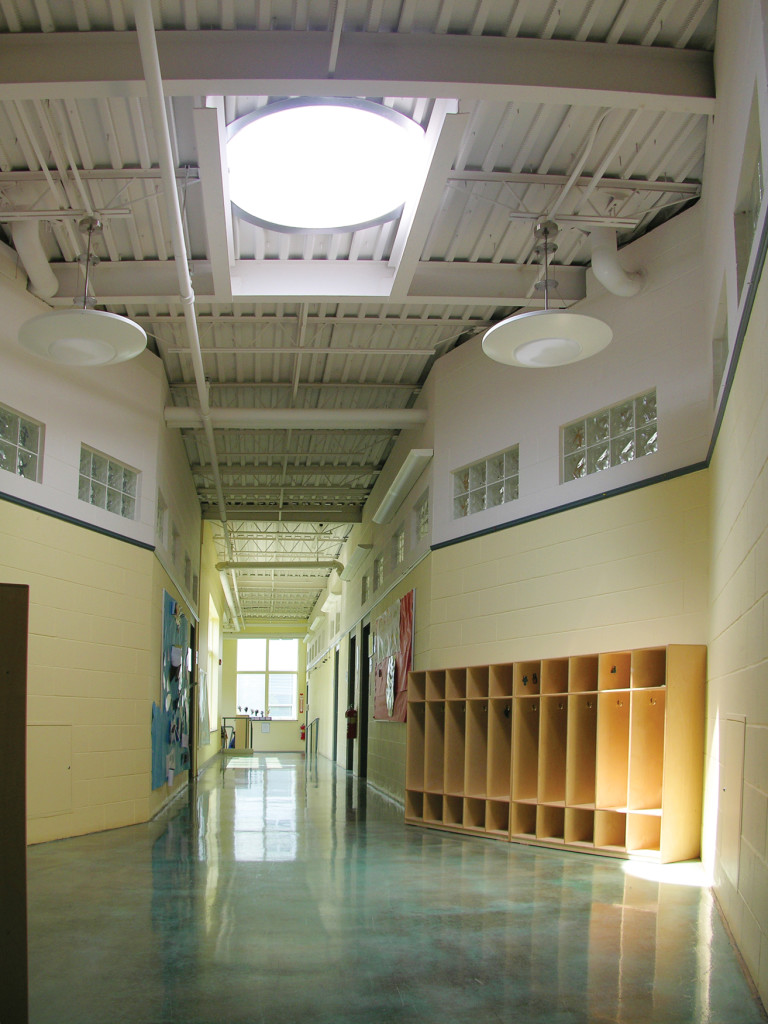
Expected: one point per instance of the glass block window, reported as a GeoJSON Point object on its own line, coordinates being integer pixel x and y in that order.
{"type": "Point", "coordinates": [378, 572]}
{"type": "Point", "coordinates": [486, 484]}
{"type": "Point", "coordinates": [621, 433]}
{"type": "Point", "coordinates": [422, 518]}
{"type": "Point", "coordinates": [364, 589]}
{"type": "Point", "coordinates": [107, 483]}
{"type": "Point", "coordinates": [399, 546]}
{"type": "Point", "coordinates": [21, 444]}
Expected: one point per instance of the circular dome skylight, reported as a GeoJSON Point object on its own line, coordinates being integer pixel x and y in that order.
{"type": "Point", "coordinates": [322, 164]}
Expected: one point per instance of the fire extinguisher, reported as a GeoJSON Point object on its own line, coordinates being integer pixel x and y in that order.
{"type": "Point", "coordinates": [303, 732]}
{"type": "Point", "coordinates": [351, 716]}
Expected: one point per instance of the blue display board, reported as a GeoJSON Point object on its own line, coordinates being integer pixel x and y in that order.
{"type": "Point", "coordinates": [170, 719]}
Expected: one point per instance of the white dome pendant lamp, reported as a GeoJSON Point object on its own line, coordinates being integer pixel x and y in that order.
{"type": "Point", "coordinates": [83, 336]}
{"type": "Point", "coordinates": [546, 337]}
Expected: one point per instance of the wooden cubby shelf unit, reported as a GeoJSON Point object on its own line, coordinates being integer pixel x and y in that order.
{"type": "Point", "coordinates": [595, 752]}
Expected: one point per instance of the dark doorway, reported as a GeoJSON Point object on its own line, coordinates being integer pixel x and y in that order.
{"type": "Point", "coordinates": [351, 698]}
{"type": "Point", "coordinates": [335, 703]}
{"type": "Point", "coordinates": [362, 711]}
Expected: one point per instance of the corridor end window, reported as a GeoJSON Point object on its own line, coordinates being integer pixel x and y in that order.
{"type": "Point", "coordinates": [621, 433]}
{"type": "Point", "coordinates": [268, 677]}
{"type": "Point", "coordinates": [107, 483]}
{"type": "Point", "coordinates": [20, 444]}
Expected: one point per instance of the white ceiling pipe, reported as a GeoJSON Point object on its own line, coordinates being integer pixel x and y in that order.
{"type": "Point", "coordinates": [318, 563]}
{"type": "Point", "coordinates": [230, 601]}
{"type": "Point", "coordinates": [606, 266]}
{"type": "Point", "coordinates": [150, 61]}
{"type": "Point", "coordinates": [26, 241]}
{"type": "Point", "coordinates": [299, 419]}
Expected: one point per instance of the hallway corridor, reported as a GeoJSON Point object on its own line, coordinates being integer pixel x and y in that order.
{"type": "Point", "coordinates": [274, 896]}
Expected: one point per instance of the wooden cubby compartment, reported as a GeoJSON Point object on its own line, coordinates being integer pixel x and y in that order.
{"type": "Point", "coordinates": [612, 750]}
{"type": "Point", "coordinates": [414, 758]}
{"type": "Point", "coordinates": [579, 826]}
{"type": "Point", "coordinates": [525, 749]}
{"type": "Point", "coordinates": [474, 813]}
{"type": "Point", "coordinates": [500, 681]}
{"type": "Point", "coordinates": [582, 673]}
{"type": "Point", "coordinates": [499, 748]}
{"type": "Point", "coordinates": [433, 808]}
{"type": "Point", "coordinates": [453, 811]}
{"type": "Point", "coordinates": [522, 820]}
{"type": "Point", "coordinates": [613, 670]}
{"type": "Point", "coordinates": [434, 746]}
{"type": "Point", "coordinates": [550, 822]}
{"type": "Point", "coordinates": [554, 675]}
{"type": "Point", "coordinates": [553, 732]}
{"type": "Point", "coordinates": [649, 667]}
{"type": "Point", "coordinates": [414, 805]}
{"type": "Point", "coordinates": [417, 687]}
{"type": "Point", "coordinates": [646, 749]}
{"type": "Point", "coordinates": [581, 754]}
{"type": "Point", "coordinates": [599, 752]}
{"type": "Point", "coordinates": [477, 681]}
{"type": "Point", "coordinates": [455, 683]}
{"type": "Point", "coordinates": [476, 748]}
{"type": "Point", "coordinates": [643, 833]}
{"type": "Point", "coordinates": [435, 685]}
{"type": "Point", "coordinates": [610, 830]}
{"type": "Point", "coordinates": [497, 817]}
{"type": "Point", "coordinates": [455, 739]}
{"type": "Point", "coordinates": [526, 677]}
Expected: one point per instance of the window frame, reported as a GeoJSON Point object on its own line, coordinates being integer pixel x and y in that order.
{"type": "Point", "coordinates": [473, 480]}
{"type": "Point", "coordinates": [18, 446]}
{"type": "Point", "coordinates": [267, 710]}
{"type": "Point", "coordinates": [611, 438]}
{"type": "Point", "coordinates": [90, 480]}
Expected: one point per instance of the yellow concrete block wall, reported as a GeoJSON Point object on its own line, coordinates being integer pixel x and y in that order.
{"type": "Point", "coordinates": [627, 571]}
{"type": "Point", "coordinates": [736, 844]}
{"type": "Point", "coordinates": [90, 652]}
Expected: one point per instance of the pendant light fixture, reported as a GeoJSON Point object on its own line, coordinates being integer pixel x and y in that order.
{"type": "Point", "coordinates": [546, 337]}
{"type": "Point", "coordinates": [83, 336]}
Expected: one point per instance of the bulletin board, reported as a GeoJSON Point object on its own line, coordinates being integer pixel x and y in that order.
{"type": "Point", "coordinates": [170, 719]}
{"type": "Point", "coordinates": [392, 635]}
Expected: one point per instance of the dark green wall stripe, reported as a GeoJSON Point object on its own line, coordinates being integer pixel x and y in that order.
{"type": "Point", "coordinates": [75, 522]}
{"type": "Point", "coordinates": [671, 475]}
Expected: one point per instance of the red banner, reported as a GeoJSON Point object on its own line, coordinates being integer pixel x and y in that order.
{"type": "Point", "coordinates": [393, 660]}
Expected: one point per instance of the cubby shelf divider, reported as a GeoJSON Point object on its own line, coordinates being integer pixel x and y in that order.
{"type": "Point", "coordinates": [596, 752]}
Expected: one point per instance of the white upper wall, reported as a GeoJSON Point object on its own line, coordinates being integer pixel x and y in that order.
{"type": "Point", "coordinates": [117, 410]}
{"type": "Point", "coordinates": [482, 407]}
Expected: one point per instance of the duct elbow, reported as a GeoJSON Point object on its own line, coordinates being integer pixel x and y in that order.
{"type": "Point", "coordinates": [606, 266]}
{"type": "Point", "coordinates": [26, 240]}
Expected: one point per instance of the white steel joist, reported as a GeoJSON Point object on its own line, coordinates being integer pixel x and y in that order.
{"type": "Point", "coordinates": [467, 68]}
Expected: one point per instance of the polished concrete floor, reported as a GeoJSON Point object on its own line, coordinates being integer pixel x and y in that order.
{"type": "Point", "coordinates": [273, 895]}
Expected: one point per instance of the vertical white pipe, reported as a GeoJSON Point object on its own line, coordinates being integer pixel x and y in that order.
{"type": "Point", "coordinates": [145, 29]}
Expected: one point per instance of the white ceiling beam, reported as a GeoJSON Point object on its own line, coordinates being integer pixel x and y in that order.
{"type": "Point", "coordinates": [444, 135]}
{"type": "Point", "coordinates": [508, 284]}
{"type": "Point", "coordinates": [210, 134]}
{"type": "Point", "coordinates": [270, 514]}
{"type": "Point", "coordinates": [457, 283]}
{"type": "Point", "coordinates": [312, 279]}
{"type": "Point", "coordinates": [298, 419]}
{"type": "Point", "coordinates": [495, 68]}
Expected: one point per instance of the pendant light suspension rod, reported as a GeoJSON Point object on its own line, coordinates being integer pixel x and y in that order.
{"type": "Point", "coordinates": [89, 224]}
